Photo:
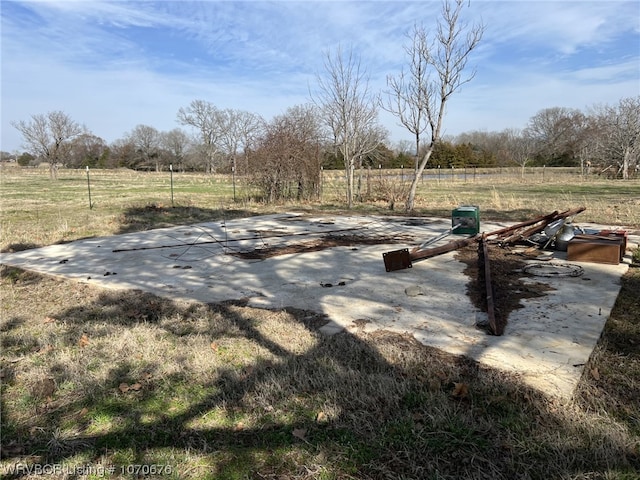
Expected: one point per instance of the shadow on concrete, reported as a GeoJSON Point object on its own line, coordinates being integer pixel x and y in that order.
{"type": "Point", "coordinates": [148, 217]}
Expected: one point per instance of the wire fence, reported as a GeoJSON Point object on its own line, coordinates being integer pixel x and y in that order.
{"type": "Point", "coordinates": [384, 183]}
{"type": "Point", "coordinates": [369, 184]}
{"type": "Point", "coordinates": [28, 193]}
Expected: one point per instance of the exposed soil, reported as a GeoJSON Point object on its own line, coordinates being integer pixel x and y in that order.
{"type": "Point", "coordinates": [323, 243]}
{"type": "Point", "coordinates": [507, 279]}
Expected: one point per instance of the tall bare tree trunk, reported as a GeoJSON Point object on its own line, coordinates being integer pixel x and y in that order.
{"type": "Point", "coordinates": [436, 68]}
{"type": "Point", "coordinates": [411, 197]}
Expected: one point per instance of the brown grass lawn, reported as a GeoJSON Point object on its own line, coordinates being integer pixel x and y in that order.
{"type": "Point", "coordinates": [104, 384]}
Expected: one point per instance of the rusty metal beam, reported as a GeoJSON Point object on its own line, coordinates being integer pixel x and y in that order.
{"type": "Point", "coordinates": [491, 313]}
{"type": "Point", "coordinates": [518, 226]}
{"type": "Point", "coordinates": [541, 224]}
{"type": "Point", "coordinates": [448, 247]}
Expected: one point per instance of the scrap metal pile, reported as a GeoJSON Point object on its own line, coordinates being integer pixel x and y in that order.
{"type": "Point", "coordinates": [554, 230]}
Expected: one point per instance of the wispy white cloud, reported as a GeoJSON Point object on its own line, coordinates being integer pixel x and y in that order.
{"type": "Point", "coordinates": [115, 64]}
{"type": "Point", "coordinates": [559, 26]}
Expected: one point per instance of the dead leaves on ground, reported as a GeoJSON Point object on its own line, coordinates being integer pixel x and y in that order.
{"type": "Point", "coordinates": [300, 433]}
{"type": "Point", "coordinates": [460, 391]}
{"type": "Point", "coordinates": [125, 387]}
{"type": "Point", "coordinates": [322, 417]}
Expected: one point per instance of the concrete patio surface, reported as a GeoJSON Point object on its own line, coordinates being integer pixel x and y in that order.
{"type": "Point", "coordinates": [547, 343]}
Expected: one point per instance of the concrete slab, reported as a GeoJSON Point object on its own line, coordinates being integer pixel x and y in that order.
{"type": "Point", "coordinates": [547, 342]}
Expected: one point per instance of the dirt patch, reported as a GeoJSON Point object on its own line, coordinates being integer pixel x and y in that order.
{"type": "Point", "coordinates": [323, 243]}
{"type": "Point", "coordinates": [510, 283]}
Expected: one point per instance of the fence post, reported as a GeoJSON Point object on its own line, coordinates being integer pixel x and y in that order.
{"type": "Point", "coordinates": [89, 188]}
{"type": "Point", "coordinates": [233, 178]}
{"type": "Point", "coordinates": [171, 177]}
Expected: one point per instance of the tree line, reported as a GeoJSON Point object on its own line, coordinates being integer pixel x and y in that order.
{"type": "Point", "coordinates": [339, 128]}
{"type": "Point", "coordinates": [605, 136]}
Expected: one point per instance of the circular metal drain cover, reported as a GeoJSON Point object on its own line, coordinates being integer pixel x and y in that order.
{"type": "Point", "coordinates": [553, 269]}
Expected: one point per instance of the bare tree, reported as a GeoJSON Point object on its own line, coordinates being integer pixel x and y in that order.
{"type": "Point", "coordinates": [287, 160]}
{"type": "Point", "coordinates": [147, 142]}
{"type": "Point", "coordinates": [519, 146]}
{"type": "Point", "coordinates": [209, 121]}
{"type": "Point", "coordinates": [349, 110]}
{"type": "Point", "coordinates": [369, 142]}
{"type": "Point", "coordinates": [408, 95]}
{"type": "Point", "coordinates": [490, 145]}
{"type": "Point", "coordinates": [47, 136]}
{"type": "Point", "coordinates": [557, 133]}
{"type": "Point", "coordinates": [619, 133]}
{"type": "Point", "coordinates": [176, 143]}
{"type": "Point", "coordinates": [240, 128]}
{"type": "Point", "coordinates": [436, 71]}
{"type": "Point", "coordinates": [122, 153]}
{"type": "Point", "coordinates": [87, 150]}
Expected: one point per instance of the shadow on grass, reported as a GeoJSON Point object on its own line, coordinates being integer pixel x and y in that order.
{"type": "Point", "coordinates": [227, 391]}
{"type": "Point", "coordinates": [19, 247]}
{"type": "Point", "coordinates": [135, 219]}
{"type": "Point", "coordinates": [610, 382]}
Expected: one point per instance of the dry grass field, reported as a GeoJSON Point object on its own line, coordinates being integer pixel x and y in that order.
{"type": "Point", "coordinates": [104, 384]}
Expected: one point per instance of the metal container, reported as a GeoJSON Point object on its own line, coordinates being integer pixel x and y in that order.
{"type": "Point", "coordinates": [554, 227]}
{"type": "Point", "coordinates": [563, 236]}
{"type": "Point", "coordinates": [467, 219]}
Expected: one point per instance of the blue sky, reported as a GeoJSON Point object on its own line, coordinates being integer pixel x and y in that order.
{"type": "Point", "coordinates": [116, 64]}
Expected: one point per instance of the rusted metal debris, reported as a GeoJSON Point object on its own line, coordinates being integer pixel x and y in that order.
{"type": "Point", "coordinates": [397, 259]}
{"type": "Point", "coordinates": [404, 258]}
{"type": "Point", "coordinates": [484, 269]}
{"type": "Point", "coordinates": [520, 234]}
{"type": "Point", "coordinates": [400, 259]}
